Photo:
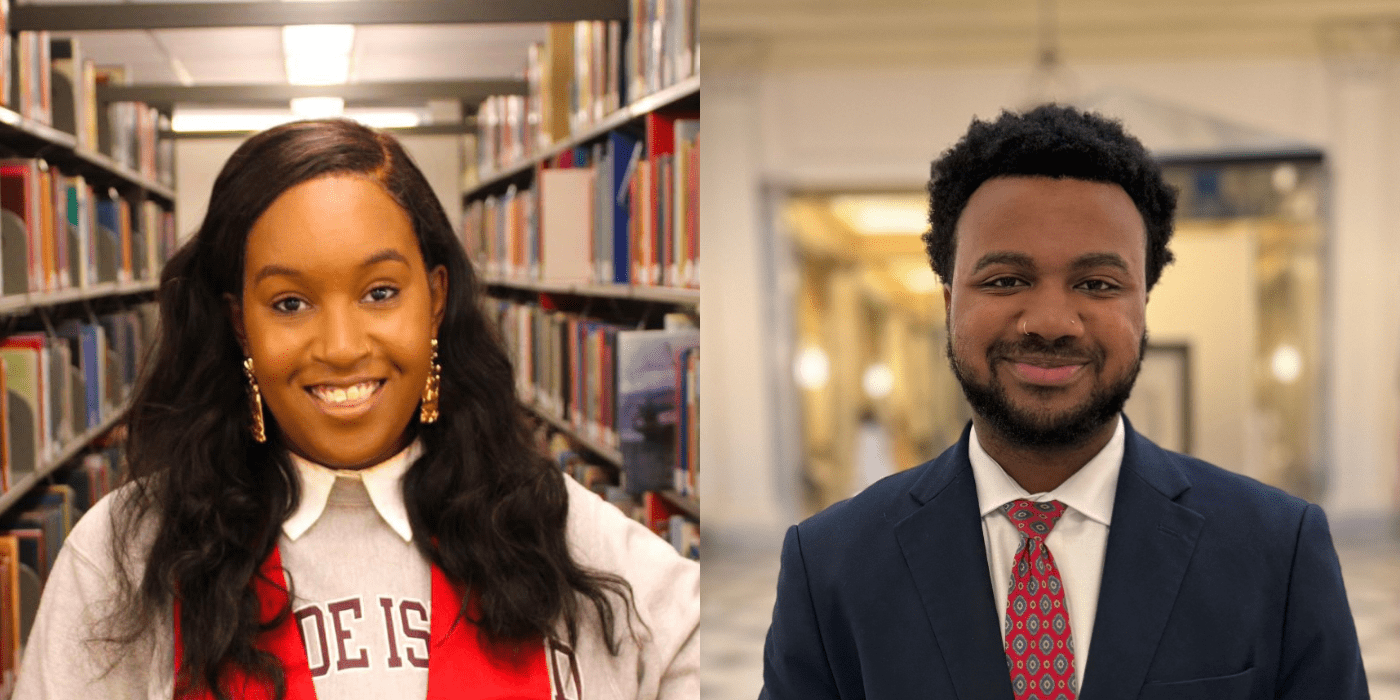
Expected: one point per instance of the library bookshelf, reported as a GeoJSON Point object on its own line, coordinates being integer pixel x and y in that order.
{"type": "Point", "coordinates": [678, 296]}
{"type": "Point", "coordinates": [63, 149]}
{"type": "Point", "coordinates": [581, 216]}
{"type": "Point", "coordinates": [47, 468]}
{"type": "Point", "coordinates": [86, 222]}
{"type": "Point", "coordinates": [680, 93]}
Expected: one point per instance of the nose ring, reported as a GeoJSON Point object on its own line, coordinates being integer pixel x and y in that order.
{"type": "Point", "coordinates": [1023, 327]}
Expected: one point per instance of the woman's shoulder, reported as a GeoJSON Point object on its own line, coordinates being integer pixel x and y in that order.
{"type": "Point", "coordinates": [602, 537]}
{"type": "Point", "coordinates": [665, 595]}
{"type": "Point", "coordinates": [92, 536]}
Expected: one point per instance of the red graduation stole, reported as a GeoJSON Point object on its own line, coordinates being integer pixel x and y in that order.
{"type": "Point", "coordinates": [458, 668]}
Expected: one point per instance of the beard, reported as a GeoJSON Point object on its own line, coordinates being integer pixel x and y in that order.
{"type": "Point", "coordinates": [1029, 429]}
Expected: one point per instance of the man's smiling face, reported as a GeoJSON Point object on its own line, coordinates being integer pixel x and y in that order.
{"type": "Point", "coordinates": [1047, 305]}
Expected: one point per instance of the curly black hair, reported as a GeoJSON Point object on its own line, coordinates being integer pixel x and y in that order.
{"type": "Point", "coordinates": [1049, 141]}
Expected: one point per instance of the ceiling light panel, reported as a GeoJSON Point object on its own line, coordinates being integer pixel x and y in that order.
{"type": "Point", "coordinates": [318, 54]}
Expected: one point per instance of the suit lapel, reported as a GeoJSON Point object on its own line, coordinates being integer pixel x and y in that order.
{"type": "Point", "coordinates": [1150, 543]}
{"type": "Point", "coordinates": [943, 546]}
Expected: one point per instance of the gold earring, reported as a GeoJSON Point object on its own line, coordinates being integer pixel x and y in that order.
{"type": "Point", "coordinates": [429, 411]}
{"type": "Point", "coordinates": [255, 402]}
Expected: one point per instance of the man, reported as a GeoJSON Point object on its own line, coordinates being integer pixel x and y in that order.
{"type": "Point", "coordinates": [1053, 552]}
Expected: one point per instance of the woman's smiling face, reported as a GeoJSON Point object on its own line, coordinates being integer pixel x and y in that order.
{"type": "Point", "coordinates": [338, 312]}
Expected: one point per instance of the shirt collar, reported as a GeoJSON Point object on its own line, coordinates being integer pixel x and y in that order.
{"type": "Point", "coordinates": [1089, 491]}
{"type": "Point", "coordinates": [380, 480]}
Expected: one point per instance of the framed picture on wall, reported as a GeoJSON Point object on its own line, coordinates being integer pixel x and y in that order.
{"type": "Point", "coordinates": [1160, 405]}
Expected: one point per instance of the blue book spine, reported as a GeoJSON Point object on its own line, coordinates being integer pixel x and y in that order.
{"type": "Point", "coordinates": [624, 151]}
{"type": "Point", "coordinates": [91, 363]}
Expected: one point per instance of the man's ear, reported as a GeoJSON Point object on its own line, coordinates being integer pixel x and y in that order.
{"type": "Point", "coordinates": [437, 288]}
{"type": "Point", "coordinates": [947, 300]}
{"type": "Point", "coordinates": [235, 317]}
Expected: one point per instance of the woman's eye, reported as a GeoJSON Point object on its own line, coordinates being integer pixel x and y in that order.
{"type": "Point", "coordinates": [382, 294]}
{"type": "Point", "coordinates": [288, 305]}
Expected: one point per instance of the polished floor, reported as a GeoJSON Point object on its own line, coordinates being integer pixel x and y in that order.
{"type": "Point", "coordinates": [737, 595]}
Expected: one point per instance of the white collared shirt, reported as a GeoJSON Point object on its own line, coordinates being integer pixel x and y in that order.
{"type": "Point", "coordinates": [381, 481]}
{"type": "Point", "coordinates": [1077, 543]}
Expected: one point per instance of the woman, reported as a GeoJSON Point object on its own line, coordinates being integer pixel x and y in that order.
{"type": "Point", "coordinates": [334, 492]}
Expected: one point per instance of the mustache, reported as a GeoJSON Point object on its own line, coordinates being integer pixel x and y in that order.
{"type": "Point", "coordinates": [1040, 348]}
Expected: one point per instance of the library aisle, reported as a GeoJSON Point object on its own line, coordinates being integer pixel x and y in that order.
{"type": "Point", "coordinates": [561, 138]}
{"type": "Point", "coordinates": [738, 591]}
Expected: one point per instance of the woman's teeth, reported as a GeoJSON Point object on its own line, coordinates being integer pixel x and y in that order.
{"type": "Point", "coordinates": [345, 395]}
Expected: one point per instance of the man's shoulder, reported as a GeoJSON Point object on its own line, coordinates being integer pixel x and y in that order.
{"type": "Point", "coordinates": [860, 524]}
{"type": "Point", "coordinates": [1223, 495]}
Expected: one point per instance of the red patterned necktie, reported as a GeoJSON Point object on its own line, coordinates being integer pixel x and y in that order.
{"type": "Point", "coordinates": [1039, 647]}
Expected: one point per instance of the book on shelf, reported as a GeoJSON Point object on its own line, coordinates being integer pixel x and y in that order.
{"type": "Point", "coordinates": [81, 224]}
{"type": "Point", "coordinates": [28, 428]}
{"type": "Point", "coordinates": [661, 47]}
{"type": "Point", "coordinates": [7, 60]}
{"type": "Point", "coordinates": [74, 96]}
{"type": "Point", "coordinates": [620, 211]}
{"type": "Point", "coordinates": [549, 74]}
{"type": "Point", "coordinates": [687, 460]}
{"type": "Point", "coordinates": [90, 478]}
{"type": "Point", "coordinates": [648, 415]}
{"type": "Point", "coordinates": [129, 132]}
{"type": "Point", "coordinates": [670, 523]}
{"type": "Point", "coordinates": [583, 73]}
{"type": "Point", "coordinates": [565, 225]}
{"type": "Point", "coordinates": [563, 365]}
{"type": "Point", "coordinates": [499, 232]}
{"type": "Point", "coordinates": [9, 612]}
{"type": "Point", "coordinates": [52, 518]}
{"type": "Point", "coordinates": [612, 254]}
{"type": "Point", "coordinates": [503, 133]}
{"type": "Point", "coordinates": [112, 228]}
{"type": "Point", "coordinates": [21, 199]}
{"type": "Point", "coordinates": [79, 342]}
{"type": "Point", "coordinates": [665, 250]}
{"type": "Point", "coordinates": [59, 386]}
{"type": "Point", "coordinates": [32, 65]}
{"type": "Point", "coordinates": [31, 539]}
{"type": "Point", "coordinates": [598, 69]}
{"type": "Point", "coordinates": [57, 233]}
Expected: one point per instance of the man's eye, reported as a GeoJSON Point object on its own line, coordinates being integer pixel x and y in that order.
{"type": "Point", "coordinates": [288, 305]}
{"type": "Point", "coordinates": [382, 294]}
{"type": "Point", "coordinates": [1099, 286]}
{"type": "Point", "coordinates": [1002, 283]}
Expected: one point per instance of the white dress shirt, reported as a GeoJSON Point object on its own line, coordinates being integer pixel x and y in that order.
{"type": "Point", "coordinates": [380, 480]}
{"type": "Point", "coordinates": [1077, 542]}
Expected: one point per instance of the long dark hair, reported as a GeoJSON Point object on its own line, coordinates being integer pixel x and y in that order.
{"type": "Point", "coordinates": [486, 507]}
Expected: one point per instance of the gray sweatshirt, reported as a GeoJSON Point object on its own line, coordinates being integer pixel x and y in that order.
{"type": "Point", "coordinates": [363, 600]}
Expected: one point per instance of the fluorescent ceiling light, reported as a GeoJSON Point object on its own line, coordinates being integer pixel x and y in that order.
{"type": "Point", "coordinates": [318, 70]}
{"type": "Point", "coordinates": [318, 38]}
{"type": "Point", "coordinates": [318, 107]}
{"type": "Point", "coordinates": [227, 121]}
{"type": "Point", "coordinates": [318, 54]}
{"type": "Point", "coordinates": [387, 119]}
{"type": "Point", "coordinates": [203, 120]}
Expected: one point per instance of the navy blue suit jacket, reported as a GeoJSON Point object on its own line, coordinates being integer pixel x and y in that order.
{"type": "Point", "coordinates": [1214, 586]}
